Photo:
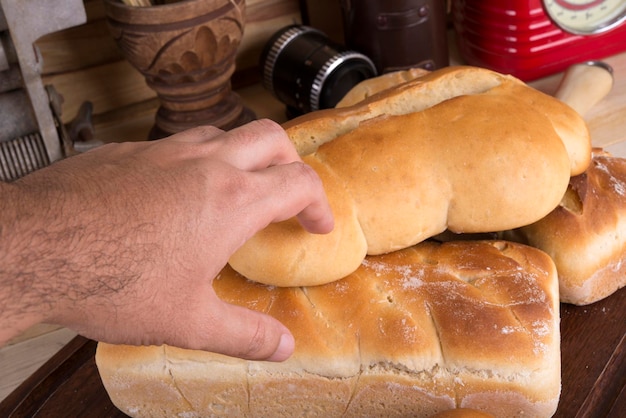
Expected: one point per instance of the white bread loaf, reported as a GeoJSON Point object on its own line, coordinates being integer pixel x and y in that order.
{"type": "Point", "coordinates": [374, 85]}
{"type": "Point", "coordinates": [586, 233]}
{"type": "Point", "coordinates": [412, 333]}
{"type": "Point", "coordinates": [464, 149]}
{"type": "Point", "coordinates": [415, 92]}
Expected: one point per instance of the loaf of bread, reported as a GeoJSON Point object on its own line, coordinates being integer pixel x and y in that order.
{"type": "Point", "coordinates": [463, 148]}
{"type": "Point", "coordinates": [471, 324]}
{"type": "Point", "coordinates": [586, 233]}
{"type": "Point", "coordinates": [374, 85]}
{"type": "Point", "coordinates": [415, 93]}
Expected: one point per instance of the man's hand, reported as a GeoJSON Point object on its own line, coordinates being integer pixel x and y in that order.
{"type": "Point", "coordinates": [122, 243]}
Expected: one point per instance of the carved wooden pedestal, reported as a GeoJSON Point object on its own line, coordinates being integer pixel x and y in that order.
{"type": "Point", "coordinates": [186, 52]}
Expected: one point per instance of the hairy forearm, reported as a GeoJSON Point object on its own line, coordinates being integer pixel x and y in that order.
{"type": "Point", "coordinates": [55, 257]}
{"type": "Point", "coordinates": [22, 301]}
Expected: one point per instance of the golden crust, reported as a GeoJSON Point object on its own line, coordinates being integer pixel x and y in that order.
{"type": "Point", "coordinates": [308, 132]}
{"type": "Point", "coordinates": [415, 332]}
{"type": "Point", "coordinates": [586, 233]}
{"type": "Point", "coordinates": [480, 152]}
{"type": "Point", "coordinates": [371, 86]}
{"type": "Point", "coordinates": [291, 256]}
{"type": "Point", "coordinates": [415, 93]}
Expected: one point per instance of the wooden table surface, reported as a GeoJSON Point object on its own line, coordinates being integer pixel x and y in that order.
{"type": "Point", "coordinates": [594, 359]}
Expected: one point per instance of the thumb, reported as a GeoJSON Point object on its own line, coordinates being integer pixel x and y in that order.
{"type": "Point", "coordinates": [239, 332]}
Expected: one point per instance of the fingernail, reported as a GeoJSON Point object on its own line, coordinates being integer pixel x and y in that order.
{"type": "Point", "coordinates": [285, 348]}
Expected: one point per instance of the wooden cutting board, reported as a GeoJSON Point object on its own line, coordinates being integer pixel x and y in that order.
{"type": "Point", "coordinates": [593, 371]}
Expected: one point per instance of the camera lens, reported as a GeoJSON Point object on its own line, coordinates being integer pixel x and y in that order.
{"type": "Point", "coordinates": [307, 71]}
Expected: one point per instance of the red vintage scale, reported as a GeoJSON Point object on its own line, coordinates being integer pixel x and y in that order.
{"type": "Point", "coordinates": [534, 38]}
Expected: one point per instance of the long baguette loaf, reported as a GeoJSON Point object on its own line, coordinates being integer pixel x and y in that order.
{"type": "Point", "coordinates": [411, 333]}
{"type": "Point", "coordinates": [586, 233]}
{"type": "Point", "coordinates": [417, 93]}
{"type": "Point", "coordinates": [463, 149]}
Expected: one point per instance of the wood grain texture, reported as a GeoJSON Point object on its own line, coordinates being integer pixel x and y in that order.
{"type": "Point", "coordinates": [39, 342]}
{"type": "Point", "coordinates": [593, 350]}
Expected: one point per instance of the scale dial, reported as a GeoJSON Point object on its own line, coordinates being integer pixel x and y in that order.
{"type": "Point", "coordinates": [586, 17]}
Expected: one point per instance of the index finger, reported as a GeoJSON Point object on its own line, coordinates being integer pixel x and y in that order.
{"type": "Point", "coordinates": [257, 145]}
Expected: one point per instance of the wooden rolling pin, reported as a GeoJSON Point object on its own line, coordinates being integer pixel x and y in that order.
{"type": "Point", "coordinates": [584, 85]}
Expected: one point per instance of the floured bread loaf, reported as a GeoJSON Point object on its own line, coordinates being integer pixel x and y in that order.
{"type": "Point", "coordinates": [586, 233]}
{"type": "Point", "coordinates": [412, 333]}
{"type": "Point", "coordinates": [463, 149]}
